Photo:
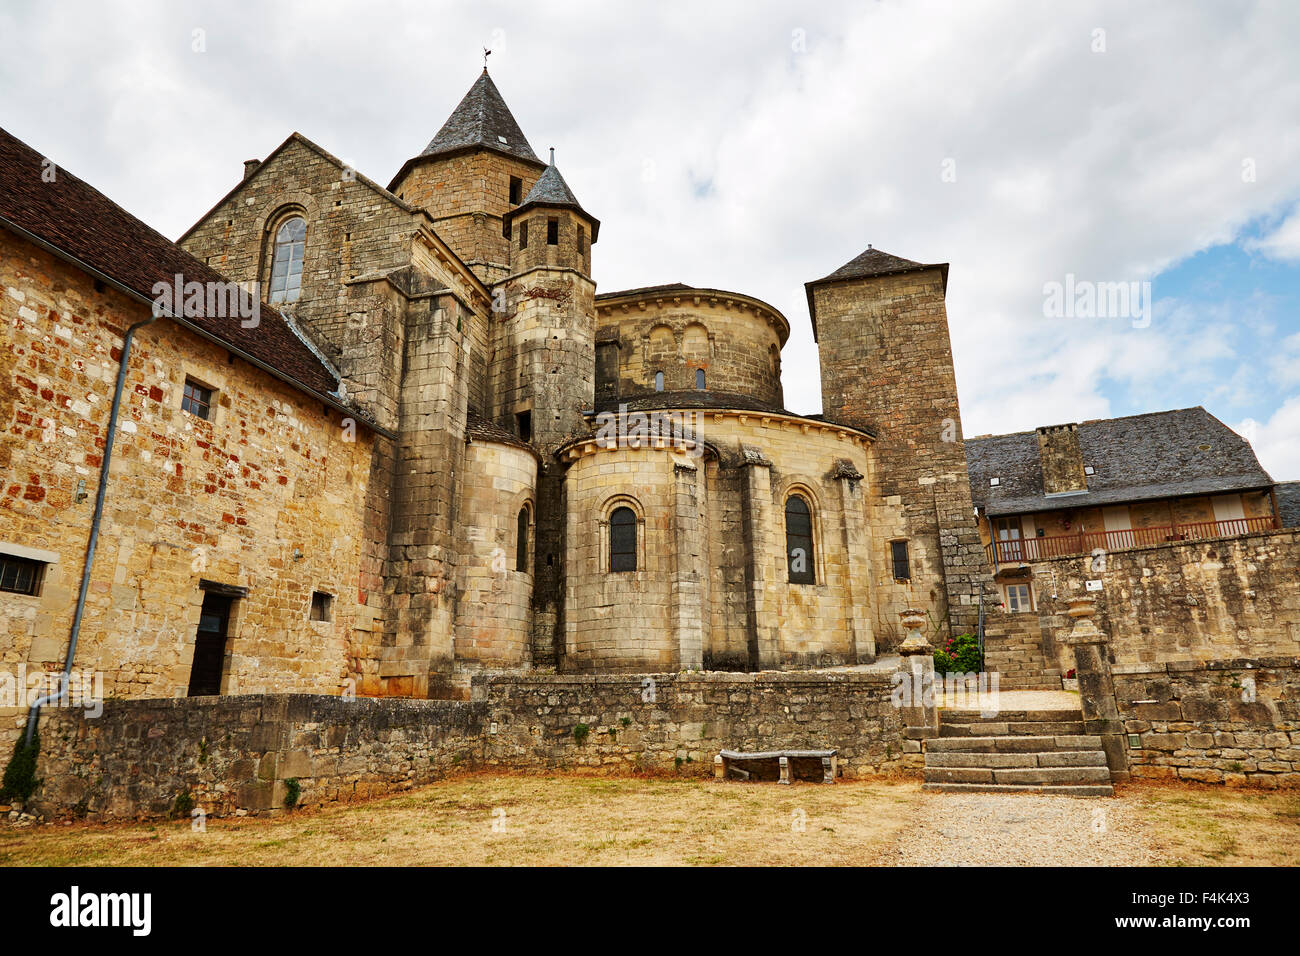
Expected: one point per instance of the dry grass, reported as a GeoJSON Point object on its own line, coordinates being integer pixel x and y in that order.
{"type": "Point", "coordinates": [1216, 826]}
{"type": "Point", "coordinates": [575, 820]}
{"type": "Point", "coordinates": [548, 821]}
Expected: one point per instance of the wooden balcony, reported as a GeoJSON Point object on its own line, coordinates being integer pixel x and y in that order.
{"type": "Point", "coordinates": [1024, 550]}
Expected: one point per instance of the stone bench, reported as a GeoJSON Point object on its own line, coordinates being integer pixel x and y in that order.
{"type": "Point", "coordinates": [725, 764]}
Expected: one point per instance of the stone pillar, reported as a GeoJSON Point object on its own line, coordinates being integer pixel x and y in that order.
{"type": "Point", "coordinates": [756, 504]}
{"type": "Point", "coordinates": [688, 574]}
{"type": "Point", "coordinates": [920, 708]}
{"type": "Point", "coordinates": [1097, 687]}
{"type": "Point", "coordinates": [857, 575]}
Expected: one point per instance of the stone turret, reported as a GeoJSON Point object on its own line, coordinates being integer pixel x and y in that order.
{"type": "Point", "coordinates": [473, 172]}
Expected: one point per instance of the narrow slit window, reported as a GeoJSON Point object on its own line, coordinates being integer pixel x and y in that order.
{"type": "Point", "coordinates": [902, 564]}
{"type": "Point", "coordinates": [552, 232]}
{"type": "Point", "coordinates": [699, 378]}
{"type": "Point", "coordinates": [622, 540]}
{"type": "Point", "coordinates": [582, 240]}
{"type": "Point", "coordinates": [197, 400]}
{"type": "Point", "coordinates": [516, 190]}
{"type": "Point", "coordinates": [798, 541]}
{"type": "Point", "coordinates": [659, 381]}
{"type": "Point", "coordinates": [521, 540]}
{"type": "Point", "coordinates": [286, 263]}
{"type": "Point", "coordinates": [523, 235]}
{"type": "Point", "coordinates": [524, 425]}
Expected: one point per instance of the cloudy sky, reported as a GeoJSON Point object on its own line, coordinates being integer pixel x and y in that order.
{"type": "Point", "coordinates": [754, 146]}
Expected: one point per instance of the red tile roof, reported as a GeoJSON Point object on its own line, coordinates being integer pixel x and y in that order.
{"type": "Point", "coordinates": [83, 224]}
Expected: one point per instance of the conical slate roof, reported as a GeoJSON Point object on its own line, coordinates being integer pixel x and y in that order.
{"type": "Point", "coordinates": [482, 119]}
{"type": "Point", "coordinates": [551, 190]}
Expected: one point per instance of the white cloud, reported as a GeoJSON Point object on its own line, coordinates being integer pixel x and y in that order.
{"type": "Point", "coordinates": [1276, 441]}
{"type": "Point", "coordinates": [771, 166]}
{"type": "Point", "coordinates": [1283, 242]}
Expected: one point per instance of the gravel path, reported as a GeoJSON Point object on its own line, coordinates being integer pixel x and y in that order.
{"type": "Point", "coordinates": [1024, 829]}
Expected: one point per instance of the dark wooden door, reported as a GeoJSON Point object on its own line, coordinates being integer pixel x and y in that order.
{"type": "Point", "coordinates": [210, 646]}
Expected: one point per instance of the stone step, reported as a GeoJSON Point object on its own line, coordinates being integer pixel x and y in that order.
{"type": "Point", "coordinates": [1053, 776]}
{"type": "Point", "coordinates": [1013, 728]}
{"type": "Point", "coordinates": [1012, 744]}
{"type": "Point", "coordinates": [1065, 790]}
{"type": "Point", "coordinates": [1065, 758]}
{"type": "Point", "coordinates": [972, 716]}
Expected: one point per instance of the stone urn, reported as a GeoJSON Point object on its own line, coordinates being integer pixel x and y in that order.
{"type": "Point", "coordinates": [1085, 605]}
{"type": "Point", "coordinates": [914, 643]}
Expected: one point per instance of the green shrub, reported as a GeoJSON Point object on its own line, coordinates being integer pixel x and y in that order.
{"type": "Point", "coordinates": [292, 790]}
{"type": "Point", "coordinates": [20, 775]}
{"type": "Point", "coordinates": [580, 734]}
{"type": "Point", "coordinates": [960, 655]}
{"type": "Point", "coordinates": [183, 804]}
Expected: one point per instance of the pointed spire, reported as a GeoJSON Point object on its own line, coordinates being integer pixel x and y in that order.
{"type": "Point", "coordinates": [551, 190]}
{"type": "Point", "coordinates": [482, 119]}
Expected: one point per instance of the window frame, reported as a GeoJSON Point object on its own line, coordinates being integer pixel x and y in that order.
{"type": "Point", "coordinates": [523, 537]}
{"type": "Point", "coordinates": [701, 380]}
{"type": "Point", "coordinates": [659, 381]}
{"type": "Point", "coordinates": [1028, 597]}
{"type": "Point", "coordinates": [188, 402]}
{"type": "Point", "coordinates": [523, 234]}
{"type": "Point", "coordinates": [894, 561]}
{"type": "Point", "coordinates": [327, 607]}
{"type": "Point", "coordinates": [634, 553]}
{"type": "Point", "coordinates": [282, 296]}
{"type": "Point", "coordinates": [515, 190]}
{"type": "Point", "coordinates": [17, 562]}
{"type": "Point", "coordinates": [552, 231]}
{"type": "Point", "coordinates": [809, 575]}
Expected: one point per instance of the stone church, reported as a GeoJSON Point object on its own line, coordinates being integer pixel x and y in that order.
{"type": "Point", "coordinates": [437, 453]}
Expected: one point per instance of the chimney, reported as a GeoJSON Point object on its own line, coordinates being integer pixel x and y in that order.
{"type": "Point", "coordinates": [251, 166]}
{"type": "Point", "coordinates": [1062, 460]}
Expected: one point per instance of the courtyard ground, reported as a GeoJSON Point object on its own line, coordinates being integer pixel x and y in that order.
{"type": "Point", "coordinates": [567, 819]}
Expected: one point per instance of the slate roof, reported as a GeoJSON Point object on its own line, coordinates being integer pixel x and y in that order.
{"type": "Point", "coordinates": [551, 190]}
{"type": "Point", "coordinates": [704, 398]}
{"type": "Point", "coordinates": [1288, 503]}
{"type": "Point", "coordinates": [482, 119]}
{"type": "Point", "coordinates": [478, 428]}
{"type": "Point", "coordinates": [1182, 452]}
{"type": "Point", "coordinates": [872, 263]}
{"type": "Point", "coordinates": [82, 224]}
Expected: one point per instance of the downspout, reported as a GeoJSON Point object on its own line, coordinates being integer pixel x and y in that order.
{"type": "Point", "coordinates": [34, 713]}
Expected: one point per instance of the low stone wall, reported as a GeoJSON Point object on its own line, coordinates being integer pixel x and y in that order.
{"type": "Point", "coordinates": [229, 754]}
{"type": "Point", "coordinates": [239, 754]}
{"type": "Point", "coordinates": [1235, 722]}
{"type": "Point", "coordinates": [679, 721]}
{"type": "Point", "coordinates": [1220, 599]}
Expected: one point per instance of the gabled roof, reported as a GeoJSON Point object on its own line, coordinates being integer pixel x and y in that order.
{"type": "Point", "coordinates": [869, 265]}
{"type": "Point", "coordinates": [551, 190]}
{"type": "Point", "coordinates": [1169, 454]}
{"type": "Point", "coordinates": [80, 224]}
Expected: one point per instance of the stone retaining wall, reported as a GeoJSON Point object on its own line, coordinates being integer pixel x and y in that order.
{"type": "Point", "coordinates": [239, 754]}
{"type": "Point", "coordinates": [1235, 722]}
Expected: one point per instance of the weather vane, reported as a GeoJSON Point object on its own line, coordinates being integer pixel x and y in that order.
{"type": "Point", "coordinates": [486, 53]}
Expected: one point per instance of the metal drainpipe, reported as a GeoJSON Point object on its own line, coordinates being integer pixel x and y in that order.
{"type": "Point", "coordinates": [35, 712]}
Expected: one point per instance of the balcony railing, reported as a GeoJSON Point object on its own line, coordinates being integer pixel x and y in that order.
{"type": "Point", "coordinates": [1019, 550]}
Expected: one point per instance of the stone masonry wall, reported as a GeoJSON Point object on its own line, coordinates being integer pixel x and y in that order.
{"type": "Point", "coordinates": [1235, 722]}
{"type": "Point", "coordinates": [886, 363]}
{"type": "Point", "coordinates": [1218, 599]}
{"type": "Point", "coordinates": [233, 754]}
{"type": "Point", "coordinates": [267, 495]}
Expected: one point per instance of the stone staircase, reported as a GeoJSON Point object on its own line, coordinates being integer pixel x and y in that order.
{"type": "Point", "coordinates": [1035, 751]}
{"type": "Point", "coordinates": [1013, 648]}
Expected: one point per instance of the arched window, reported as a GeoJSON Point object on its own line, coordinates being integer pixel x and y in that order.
{"type": "Point", "coordinates": [659, 381]}
{"type": "Point", "coordinates": [799, 541]}
{"type": "Point", "coordinates": [521, 540]}
{"type": "Point", "coordinates": [286, 264]}
{"type": "Point", "coordinates": [622, 540]}
{"type": "Point", "coordinates": [699, 378]}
